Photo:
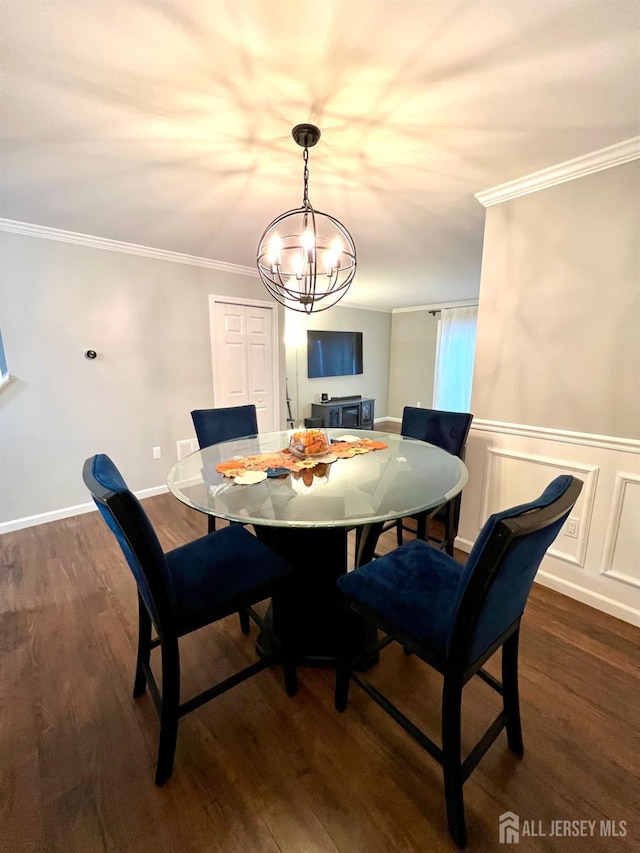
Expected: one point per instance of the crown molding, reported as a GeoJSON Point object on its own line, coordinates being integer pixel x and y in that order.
{"type": "Point", "coordinates": [604, 158]}
{"type": "Point", "coordinates": [357, 307]}
{"type": "Point", "coordinates": [438, 306]}
{"type": "Point", "coordinates": [43, 231]}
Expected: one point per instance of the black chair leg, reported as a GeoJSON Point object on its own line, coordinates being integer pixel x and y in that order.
{"type": "Point", "coordinates": [399, 538]}
{"type": "Point", "coordinates": [144, 648]}
{"type": "Point", "coordinates": [510, 695]}
{"type": "Point", "coordinates": [211, 523]}
{"type": "Point", "coordinates": [288, 611]}
{"type": "Point", "coordinates": [421, 527]}
{"type": "Point", "coordinates": [169, 710]}
{"type": "Point", "coordinates": [451, 516]}
{"type": "Point", "coordinates": [451, 759]}
{"type": "Point", "coordinates": [245, 621]}
{"type": "Point", "coordinates": [290, 673]}
{"type": "Point", "coordinates": [343, 660]}
{"type": "Point", "coordinates": [358, 543]}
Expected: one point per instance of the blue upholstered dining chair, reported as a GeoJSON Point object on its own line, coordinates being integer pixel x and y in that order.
{"type": "Point", "coordinates": [455, 617]}
{"type": "Point", "coordinates": [449, 431]}
{"type": "Point", "coordinates": [224, 424]}
{"type": "Point", "coordinates": [185, 589]}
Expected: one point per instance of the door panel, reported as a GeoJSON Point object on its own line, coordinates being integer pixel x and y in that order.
{"type": "Point", "coordinates": [230, 380]}
{"type": "Point", "coordinates": [259, 366]}
{"type": "Point", "coordinates": [235, 373]}
{"type": "Point", "coordinates": [243, 360]}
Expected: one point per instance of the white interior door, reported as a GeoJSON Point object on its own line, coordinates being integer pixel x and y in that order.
{"type": "Point", "coordinates": [244, 358]}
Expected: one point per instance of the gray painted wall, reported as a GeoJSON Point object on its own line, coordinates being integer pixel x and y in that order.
{"type": "Point", "coordinates": [558, 340]}
{"type": "Point", "coordinates": [373, 382]}
{"type": "Point", "coordinates": [413, 358]}
{"type": "Point", "coordinates": [147, 319]}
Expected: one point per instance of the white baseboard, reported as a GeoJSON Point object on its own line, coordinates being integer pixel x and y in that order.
{"type": "Point", "coordinates": [67, 512]}
{"type": "Point", "coordinates": [463, 545]}
{"type": "Point", "coordinates": [587, 596]}
{"type": "Point", "coordinates": [578, 593]}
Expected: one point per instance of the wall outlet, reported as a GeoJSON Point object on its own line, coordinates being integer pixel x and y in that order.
{"type": "Point", "coordinates": [418, 404]}
{"type": "Point", "coordinates": [571, 527]}
{"type": "Point", "coordinates": [157, 453]}
{"type": "Point", "coordinates": [186, 446]}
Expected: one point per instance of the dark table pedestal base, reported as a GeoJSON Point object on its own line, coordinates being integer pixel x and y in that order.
{"type": "Point", "coordinates": [319, 557]}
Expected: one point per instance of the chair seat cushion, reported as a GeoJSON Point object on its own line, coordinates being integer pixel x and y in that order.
{"type": "Point", "coordinates": [413, 588]}
{"type": "Point", "coordinates": [215, 575]}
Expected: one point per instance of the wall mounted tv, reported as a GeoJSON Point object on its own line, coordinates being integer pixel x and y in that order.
{"type": "Point", "coordinates": [333, 353]}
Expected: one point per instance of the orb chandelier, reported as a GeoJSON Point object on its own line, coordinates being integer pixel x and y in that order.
{"type": "Point", "coordinates": [306, 258]}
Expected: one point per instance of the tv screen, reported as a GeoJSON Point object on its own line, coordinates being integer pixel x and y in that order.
{"type": "Point", "coordinates": [333, 353]}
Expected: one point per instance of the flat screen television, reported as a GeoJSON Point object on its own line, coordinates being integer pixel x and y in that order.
{"type": "Point", "coordinates": [333, 353]}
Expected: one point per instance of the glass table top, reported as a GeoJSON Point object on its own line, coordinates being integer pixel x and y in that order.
{"type": "Point", "coordinates": [407, 477]}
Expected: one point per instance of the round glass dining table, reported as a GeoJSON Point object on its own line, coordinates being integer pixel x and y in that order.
{"type": "Point", "coordinates": [306, 516]}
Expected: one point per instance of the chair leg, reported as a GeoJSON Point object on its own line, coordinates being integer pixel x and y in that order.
{"type": "Point", "coordinates": [451, 514]}
{"type": "Point", "coordinates": [169, 710]}
{"type": "Point", "coordinates": [510, 695]}
{"type": "Point", "coordinates": [343, 660]}
{"type": "Point", "coordinates": [211, 523]}
{"type": "Point", "coordinates": [421, 526]}
{"type": "Point", "coordinates": [399, 538]}
{"type": "Point", "coordinates": [358, 543]}
{"type": "Point", "coordinates": [290, 673]}
{"type": "Point", "coordinates": [144, 648]}
{"type": "Point", "coordinates": [245, 621]}
{"type": "Point", "coordinates": [289, 668]}
{"type": "Point", "coordinates": [284, 610]}
{"type": "Point", "coordinates": [451, 759]}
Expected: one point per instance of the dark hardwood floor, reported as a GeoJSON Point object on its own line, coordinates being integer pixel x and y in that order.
{"type": "Point", "coordinates": [258, 771]}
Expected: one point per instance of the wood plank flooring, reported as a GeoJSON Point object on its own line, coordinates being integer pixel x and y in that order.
{"type": "Point", "coordinates": [258, 771]}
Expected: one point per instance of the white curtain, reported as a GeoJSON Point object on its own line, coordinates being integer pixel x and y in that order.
{"type": "Point", "coordinates": [454, 360]}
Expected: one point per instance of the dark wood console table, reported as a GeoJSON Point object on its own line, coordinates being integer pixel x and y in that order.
{"type": "Point", "coordinates": [345, 412]}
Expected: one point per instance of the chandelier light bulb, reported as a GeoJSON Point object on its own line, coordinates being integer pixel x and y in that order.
{"type": "Point", "coordinates": [274, 256]}
{"type": "Point", "coordinates": [298, 265]}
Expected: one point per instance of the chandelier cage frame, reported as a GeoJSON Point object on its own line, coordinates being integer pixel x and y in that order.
{"type": "Point", "coordinates": [306, 259]}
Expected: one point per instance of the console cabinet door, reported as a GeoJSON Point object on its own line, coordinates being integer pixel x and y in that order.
{"type": "Point", "coordinates": [334, 417]}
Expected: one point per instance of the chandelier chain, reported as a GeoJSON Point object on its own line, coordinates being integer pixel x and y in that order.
{"type": "Point", "coordinates": [305, 196]}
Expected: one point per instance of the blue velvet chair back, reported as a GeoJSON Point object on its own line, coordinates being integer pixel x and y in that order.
{"type": "Point", "coordinates": [215, 425]}
{"type": "Point", "coordinates": [127, 520]}
{"type": "Point", "coordinates": [447, 430]}
{"type": "Point", "coordinates": [500, 570]}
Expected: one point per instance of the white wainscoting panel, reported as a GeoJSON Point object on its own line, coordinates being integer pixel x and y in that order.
{"type": "Point", "coordinates": [512, 463]}
{"type": "Point", "coordinates": [514, 478]}
{"type": "Point", "coordinates": [621, 556]}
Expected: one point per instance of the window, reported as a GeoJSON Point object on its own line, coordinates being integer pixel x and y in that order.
{"type": "Point", "coordinates": [454, 359]}
{"type": "Point", "coordinates": [4, 372]}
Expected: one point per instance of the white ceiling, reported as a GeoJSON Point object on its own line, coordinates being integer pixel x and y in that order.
{"type": "Point", "coordinates": [167, 123]}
